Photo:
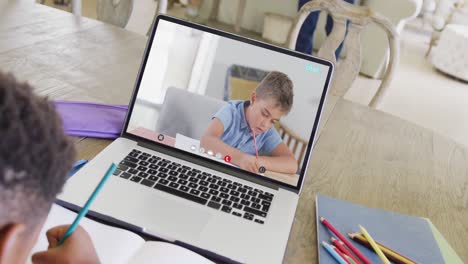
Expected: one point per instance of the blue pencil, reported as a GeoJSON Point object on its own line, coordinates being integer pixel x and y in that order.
{"type": "Point", "coordinates": [85, 208]}
{"type": "Point", "coordinates": [332, 252]}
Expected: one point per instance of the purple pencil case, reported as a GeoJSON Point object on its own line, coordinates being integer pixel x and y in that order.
{"type": "Point", "coordinates": [91, 119]}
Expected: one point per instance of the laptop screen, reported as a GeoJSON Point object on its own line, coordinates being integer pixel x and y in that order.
{"type": "Point", "coordinates": [234, 101]}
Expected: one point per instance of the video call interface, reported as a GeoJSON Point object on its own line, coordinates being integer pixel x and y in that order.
{"type": "Point", "coordinates": [228, 101]}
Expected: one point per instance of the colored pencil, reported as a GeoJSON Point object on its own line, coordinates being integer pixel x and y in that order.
{"type": "Point", "coordinates": [255, 144]}
{"type": "Point", "coordinates": [347, 243]}
{"type": "Point", "coordinates": [340, 246]}
{"type": "Point", "coordinates": [342, 255]}
{"type": "Point", "coordinates": [374, 245]}
{"type": "Point", "coordinates": [391, 254]}
{"type": "Point", "coordinates": [334, 254]}
{"type": "Point", "coordinates": [85, 208]}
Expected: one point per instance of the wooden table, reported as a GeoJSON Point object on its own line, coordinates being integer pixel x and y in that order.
{"type": "Point", "coordinates": [362, 155]}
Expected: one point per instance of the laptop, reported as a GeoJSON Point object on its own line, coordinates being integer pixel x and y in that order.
{"type": "Point", "coordinates": [167, 184]}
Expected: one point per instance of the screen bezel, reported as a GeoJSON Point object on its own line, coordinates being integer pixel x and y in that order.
{"type": "Point", "coordinates": [195, 157]}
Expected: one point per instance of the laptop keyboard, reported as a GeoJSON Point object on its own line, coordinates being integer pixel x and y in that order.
{"type": "Point", "coordinates": [200, 187]}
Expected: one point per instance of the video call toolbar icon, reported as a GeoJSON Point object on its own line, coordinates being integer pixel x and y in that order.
{"type": "Point", "coordinates": [160, 137]}
{"type": "Point", "coordinates": [261, 169]}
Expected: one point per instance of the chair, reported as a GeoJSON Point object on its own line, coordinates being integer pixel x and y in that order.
{"type": "Point", "coordinates": [348, 68]}
{"type": "Point", "coordinates": [293, 141]}
{"type": "Point", "coordinates": [186, 113]}
{"type": "Point", "coordinates": [136, 16]}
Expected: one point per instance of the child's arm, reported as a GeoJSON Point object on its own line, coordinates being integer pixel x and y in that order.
{"type": "Point", "coordinates": [211, 140]}
{"type": "Point", "coordinates": [281, 160]}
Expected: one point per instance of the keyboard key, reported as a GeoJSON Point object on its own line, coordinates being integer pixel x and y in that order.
{"type": "Point", "coordinates": [255, 200]}
{"type": "Point", "coordinates": [131, 159]}
{"type": "Point", "coordinates": [166, 161]}
{"type": "Point", "coordinates": [254, 211]}
{"type": "Point", "coordinates": [227, 180]}
{"type": "Point", "coordinates": [222, 183]}
{"type": "Point", "coordinates": [226, 209]}
{"type": "Point", "coordinates": [143, 163]}
{"type": "Point", "coordinates": [172, 178]}
{"type": "Point", "coordinates": [245, 202]}
{"type": "Point", "coordinates": [213, 192]}
{"type": "Point", "coordinates": [162, 175]}
{"type": "Point", "coordinates": [152, 161]}
{"type": "Point", "coordinates": [215, 199]}
{"type": "Point", "coordinates": [133, 171]}
{"type": "Point", "coordinates": [155, 157]}
{"type": "Point", "coordinates": [206, 174]}
{"type": "Point", "coordinates": [181, 194]}
{"type": "Point", "coordinates": [195, 192]}
{"type": "Point", "coordinates": [235, 193]}
{"type": "Point", "coordinates": [162, 164]}
{"type": "Point", "coordinates": [176, 164]}
{"type": "Point", "coordinates": [147, 182]}
{"type": "Point", "coordinates": [162, 169]}
{"type": "Point", "coordinates": [248, 187]}
{"type": "Point", "coordinates": [154, 167]}
{"type": "Point", "coordinates": [133, 155]}
{"type": "Point", "coordinates": [143, 174]}
{"type": "Point", "coordinates": [248, 216]}
{"type": "Point", "coordinates": [201, 177]}
{"type": "Point", "coordinates": [236, 199]}
{"type": "Point", "coordinates": [196, 171]}
{"type": "Point", "coordinates": [181, 170]}
{"type": "Point", "coordinates": [173, 173]}
{"type": "Point", "coordinates": [172, 167]}
{"type": "Point", "coordinates": [193, 185]}
{"type": "Point", "coordinates": [204, 183]}
{"type": "Point", "coordinates": [153, 178]}
{"type": "Point", "coordinates": [259, 191]}
{"type": "Point", "coordinates": [223, 195]}
{"type": "Point", "coordinates": [174, 185]}
{"type": "Point", "coordinates": [259, 221]}
{"type": "Point", "coordinates": [186, 167]}
{"type": "Point", "coordinates": [252, 193]}
{"type": "Point", "coordinates": [181, 181]}
{"type": "Point", "coordinates": [128, 164]}
{"type": "Point", "coordinates": [266, 203]}
{"type": "Point", "coordinates": [184, 188]}
{"type": "Point", "coordinates": [232, 186]}
{"type": "Point", "coordinates": [136, 151]}
{"type": "Point", "coordinates": [224, 190]}
{"type": "Point", "coordinates": [122, 167]}
{"type": "Point", "coordinates": [237, 206]}
{"type": "Point", "coordinates": [202, 188]}
{"type": "Point", "coordinates": [256, 206]}
{"type": "Point", "coordinates": [245, 196]}
{"type": "Point", "coordinates": [192, 179]}
{"type": "Point", "coordinates": [214, 205]}
{"type": "Point", "coordinates": [236, 214]}
{"type": "Point", "coordinates": [183, 176]}
{"type": "Point", "coordinates": [205, 195]}
{"type": "Point", "coordinates": [216, 177]}
{"type": "Point", "coordinates": [142, 168]}
{"type": "Point", "coordinates": [242, 190]}
{"type": "Point", "coordinates": [117, 172]}
{"type": "Point", "coordinates": [163, 182]}
{"type": "Point", "coordinates": [145, 154]}
{"type": "Point", "coordinates": [135, 179]}
{"type": "Point", "coordinates": [226, 202]}
{"type": "Point", "coordinates": [144, 158]}
{"type": "Point", "coordinates": [214, 186]}
{"type": "Point", "coordinates": [265, 197]}
{"type": "Point", "coordinates": [126, 175]}
{"type": "Point", "coordinates": [237, 184]}
{"type": "Point", "coordinates": [265, 208]}
{"type": "Point", "coordinates": [152, 172]}
{"type": "Point", "coordinates": [191, 173]}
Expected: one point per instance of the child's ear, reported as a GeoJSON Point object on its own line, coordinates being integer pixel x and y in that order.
{"type": "Point", "coordinates": [10, 238]}
{"type": "Point", "coordinates": [253, 96]}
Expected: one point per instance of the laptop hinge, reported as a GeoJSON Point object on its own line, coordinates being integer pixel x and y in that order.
{"type": "Point", "coordinates": [212, 165]}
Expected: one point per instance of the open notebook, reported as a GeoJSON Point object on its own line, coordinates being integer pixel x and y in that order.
{"type": "Point", "coordinates": [115, 245]}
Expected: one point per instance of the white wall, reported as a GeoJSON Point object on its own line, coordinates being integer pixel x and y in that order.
{"type": "Point", "coordinates": [307, 86]}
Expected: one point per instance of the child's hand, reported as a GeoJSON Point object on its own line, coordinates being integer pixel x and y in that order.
{"type": "Point", "coordinates": [249, 163]}
{"type": "Point", "coordinates": [77, 248]}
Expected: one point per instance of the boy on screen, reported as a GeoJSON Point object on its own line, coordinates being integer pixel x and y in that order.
{"type": "Point", "coordinates": [244, 129]}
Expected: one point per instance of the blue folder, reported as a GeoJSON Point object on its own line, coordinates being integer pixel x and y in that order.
{"type": "Point", "coordinates": [411, 236]}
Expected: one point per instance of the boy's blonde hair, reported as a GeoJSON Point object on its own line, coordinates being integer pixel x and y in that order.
{"type": "Point", "coordinates": [278, 86]}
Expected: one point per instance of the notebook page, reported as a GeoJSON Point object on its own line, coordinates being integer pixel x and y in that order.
{"type": "Point", "coordinates": [166, 253]}
{"type": "Point", "coordinates": [113, 245]}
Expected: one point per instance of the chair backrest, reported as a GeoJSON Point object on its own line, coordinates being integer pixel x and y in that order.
{"type": "Point", "coordinates": [358, 18]}
{"type": "Point", "coordinates": [294, 142]}
{"type": "Point", "coordinates": [115, 12]}
{"type": "Point", "coordinates": [186, 113]}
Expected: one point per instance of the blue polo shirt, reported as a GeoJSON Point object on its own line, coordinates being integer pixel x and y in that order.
{"type": "Point", "coordinates": [238, 134]}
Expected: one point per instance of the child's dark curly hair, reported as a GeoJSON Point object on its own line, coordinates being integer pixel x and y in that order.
{"type": "Point", "coordinates": [35, 154]}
